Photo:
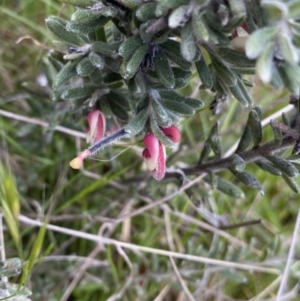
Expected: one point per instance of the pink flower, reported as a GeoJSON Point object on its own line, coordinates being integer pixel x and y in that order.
{"type": "Point", "coordinates": [155, 156]}
{"type": "Point", "coordinates": [97, 124]}
{"type": "Point", "coordinates": [172, 132]}
{"type": "Point", "coordinates": [155, 152]}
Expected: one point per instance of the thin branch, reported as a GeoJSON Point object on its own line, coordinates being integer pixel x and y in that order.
{"type": "Point", "coordinates": [108, 241]}
{"type": "Point", "coordinates": [251, 155]}
{"type": "Point", "coordinates": [290, 258]}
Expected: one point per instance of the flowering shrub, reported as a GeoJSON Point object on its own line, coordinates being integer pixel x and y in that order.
{"type": "Point", "coordinates": [130, 59]}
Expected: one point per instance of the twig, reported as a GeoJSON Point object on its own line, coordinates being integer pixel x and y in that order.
{"type": "Point", "coordinates": [264, 122]}
{"type": "Point", "coordinates": [130, 246]}
{"type": "Point", "coordinates": [251, 155]}
{"type": "Point", "coordinates": [161, 201]}
{"type": "Point", "coordinates": [2, 246]}
{"type": "Point", "coordinates": [290, 257]}
{"type": "Point", "coordinates": [172, 247]}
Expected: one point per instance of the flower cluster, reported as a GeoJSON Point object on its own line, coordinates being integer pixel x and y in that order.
{"type": "Point", "coordinates": [154, 154]}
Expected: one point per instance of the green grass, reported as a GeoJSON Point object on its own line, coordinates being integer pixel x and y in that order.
{"type": "Point", "coordinates": [109, 239]}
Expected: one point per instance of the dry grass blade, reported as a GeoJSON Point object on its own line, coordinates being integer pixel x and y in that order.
{"type": "Point", "coordinates": [258, 267]}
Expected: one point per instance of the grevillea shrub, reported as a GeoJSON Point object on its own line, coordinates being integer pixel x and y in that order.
{"type": "Point", "coordinates": [132, 62]}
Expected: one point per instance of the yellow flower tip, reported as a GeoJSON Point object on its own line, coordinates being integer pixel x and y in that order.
{"type": "Point", "coordinates": [76, 163]}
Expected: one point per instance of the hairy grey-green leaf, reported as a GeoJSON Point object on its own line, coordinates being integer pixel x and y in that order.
{"type": "Point", "coordinates": [268, 166]}
{"type": "Point", "coordinates": [214, 141]}
{"type": "Point", "coordinates": [284, 165]}
{"type": "Point", "coordinates": [264, 64]}
{"type": "Point", "coordinates": [238, 94]}
{"type": "Point", "coordinates": [199, 26]}
{"type": "Point", "coordinates": [85, 67]}
{"type": "Point", "coordinates": [245, 140]}
{"type": "Point", "coordinates": [159, 134]}
{"type": "Point", "coordinates": [161, 114]}
{"type": "Point", "coordinates": [194, 103]}
{"type": "Point", "coordinates": [137, 124]}
{"type": "Point", "coordinates": [96, 60]}
{"type": "Point", "coordinates": [105, 107]}
{"type": "Point", "coordinates": [103, 48]}
{"type": "Point", "coordinates": [287, 74]}
{"type": "Point", "coordinates": [225, 73]}
{"type": "Point", "coordinates": [129, 46]}
{"type": "Point", "coordinates": [204, 73]}
{"type": "Point", "coordinates": [288, 50]}
{"type": "Point", "coordinates": [119, 111]}
{"type": "Point", "coordinates": [67, 72]}
{"type": "Point", "coordinates": [229, 188]}
{"type": "Point", "coordinates": [277, 10]}
{"type": "Point", "coordinates": [254, 124]}
{"type": "Point", "coordinates": [237, 163]}
{"type": "Point", "coordinates": [205, 152]}
{"type": "Point", "coordinates": [136, 60]}
{"type": "Point", "coordinates": [178, 107]}
{"type": "Point", "coordinates": [146, 11]}
{"type": "Point", "coordinates": [58, 27]}
{"type": "Point", "coordinates": [293, 184]}
{"type": "Point", "coordinates": [118, 97]}
{"type": "Point", "coordinates": [163, 69]}
{"type": "Point", "coordinates": [11, 267]}
{"type": "Point", "coordinates": [234, 57]}
{"type": "Point", "coordinates": [173, 52]}
{"type": "Point", "coordinates": [84, 16]}
{"type": "Point", "coordinates": [247, 179]}
{"type": "Point", "coordinates": [78, 92]}
{"type": "Point", "coordinates": [87, 28]}
{"type": "Point", "coordinates": [188, 43]}
{"type": "Point", "coordinates": [277, 134]}
{"type": "Point", "coordinates": [179, 16]}
{"type": "Point", "coordinates": [257, 41]}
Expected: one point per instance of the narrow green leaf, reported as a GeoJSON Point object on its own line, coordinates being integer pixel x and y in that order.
{"type": "Point", "coordinates": [288, 50]}
{"type": "Point", "coordinates": [67, 72]}
{"type": "Point", "coordinates": [205, 152]}
{"type": "Point", "coordinates": [85, 67]}
{"type": "Point", "coordinates": [146, 11]}
{"type": "Point", "coordinates": [283, 165]}
{"type": "Point", "coordinates": [188, 43]}
{"type": "Point", "coordinates": [254, 124]}
{"type": "Point", "coordinates": [247, 179]}
{"type": "Point", "coordinates": [135, 61]}
{"type": "Point", "coordinates": [234, 57]}
{"type": "Point", "coordinates": [179, 16]}
{"type": "Point", "coordinates": [177, 107]}
{"type": "Point", "coordinates": [84, 16]}
{"type": "Point", "coordinates": [96, 60]}
{"type": "Point", "coordinates": [137, 124]}
{"type": "Point", "coordinates": [204, 73]}
{"type": "Point", "coordinates": [173, 52]}
{"type": "Point", "coordinates": [264, 64]}
{"type": "Point", "coordinates": [257, 41]}
{"type": "Point", "coordinates": [58, 27]}
{"type": "Point", "coordinates": [199, 27]}
{"type": "Point", "coordinates": [129, 46]}
{"type": "Point", "coordinates": [228, 188]}
{"type": "Point", "coordinates": [268, 166]}
{"type": "Point", "coordinates": [159, 134]}
{"type": "Point", "coordinates": [237, 163]}
{"type": "Point", "coordinates": [164, 70]}
{"type": "Point", "coordinates": [103, 48]}
{"type": "Point", "coordinates": [214, 141]}
{"type": "Point", "coordinates": [293, 184]}
{"type": "Point", "coordinates": [78, 92]}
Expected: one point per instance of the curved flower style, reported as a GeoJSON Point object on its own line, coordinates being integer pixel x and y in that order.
{"type": "Point", "coordinates": [97, 124]}
{"type": "Point", "coordinates": [155, 152]}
